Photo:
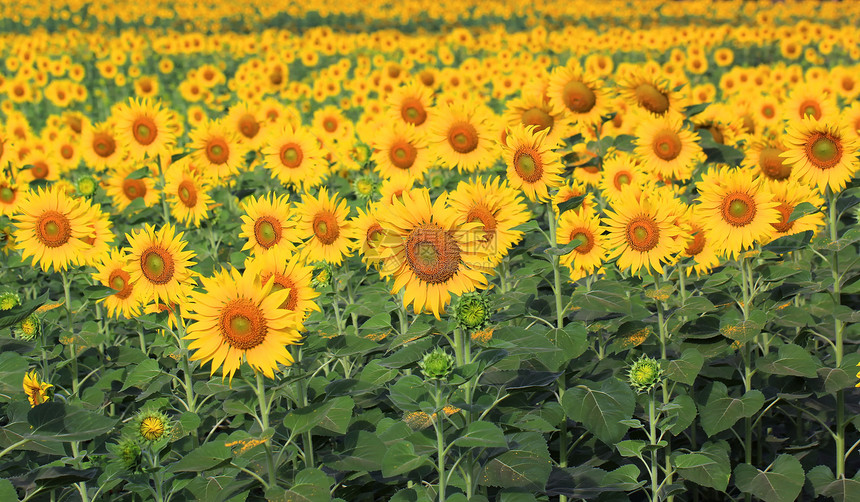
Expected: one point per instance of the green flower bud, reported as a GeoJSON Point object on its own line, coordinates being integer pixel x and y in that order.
{"type": "Point", "coordinates": [128, 453]}
{"type": "Point", "coordinates": [645, 373]}
{"type": "Point", "coordinates": [437, 365]}
{"type": "Point", "coordinates": [322, 275]}
{"type": "Point", "coordinates": [151, 426]}
{"type": "Point", "coordinates": [9, 300]}
{"type": "Point", "coordinates": [86, 185]}
{"type": "Point", "coordinates": [365, 187]}
{"type": "Point", "coordinates": [28, 329]}
{"type": "Point", "coordinates": [472, 311]}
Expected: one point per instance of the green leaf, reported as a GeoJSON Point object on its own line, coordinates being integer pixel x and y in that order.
{"type": "Point", "coordinates": [789, 243]}
{"type": "Point", "coordinates": [482, 434]}
{"type": "Point", "coordinates": [721, 411]}
{"type": "Point", "coordinates": [680, 417]}
{"type": "Point", "coordinates": [630, 447]}
{"type": "Point", "coordinates": [801, 210]}
{"type": "Point", "coordinates": [205, 457]}
{"type": "Point", "coordinates": [7, 491]}
{"type": "Point", "coordinates": [55, 421]}
{"type": "Point", "coordinates": [13, 367]}
{"type": "Point", "coordinates": [841, 490]}
{"type": "Point", "coordinates": [790, 360]}
{"type": "Point", "coordinates": [137, 174]}
{"type": "Point", "coordinates": [696, 109]}
{"type": "Point", "coordinates": [517, 469]}
{"type": "Point", "coordinates": [16, 314]}
{"type": "Point", "coordinates": [745, 331]}
{"type": "Point", "coordinates": [709, 467]}
{"type": "Point", "coordinates": [600, 407]}
{"type": "Point", "coordinates": [686, 368]}
{"type": "Point", "coordinates": [142, 374]}
{"type": "Point", "coordinates": [408, 392]}
{"type": "Point", "coordinates": [401, 458]}
{"type": "Point", "coordinates": [572, 340]}
{"type": "Point", "coordinates": [835, 379]}
{"type": "Point", "coordinates": [332, 415]}
{"type": "Point", "coordinates": [310, 485]}
{"type": "Point", "coordinates": [781, 482]}
{"type": "Point", "coordinates": [820, 477]}
{"type": "Point", "coordinates": [572, 203]}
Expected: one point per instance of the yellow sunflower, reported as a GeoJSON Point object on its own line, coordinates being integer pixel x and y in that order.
{"type": "Point", "coordinates": [588, 256]}
{"type": "Point", "coordinates": [248, 124]}
{"type": "Point", "coordinates": [619, 171]}
{"type": "Point", "coordinates": [763, 157]}
{"type": "Point", "coordinates": [821, 153]}
{"type": "Point", "coordinates": [428, 254]}
{"type": "Point", "coordinates": [650, 92]}
{"type": "Point", "coordinates": [325, 226]}
{"type": "Point", "coordinates": [158, 265]}
{"type": "Point", "coordinates": [268, 225]}
{"type": "Point", "coordinates": [123, 189]}
{"type": "Point", "coordinates": [461, 136]}
{"type": "Point", "coordinates": [145, 129]}
{"type": "Point", "coordinates": [100, 146]}
{"type": "Point", "coordinates": [293, 156]}
{"type": "Point", "coordinates": [332, 127]}
{"type": "Point", "coordinates": [532, 109]}
{"type": "Point", "coordinates": [412, 104]}
{"type": "Point", "coordinates": [571, 189]}
{"type": "Point", "coordinates": [788, 195]}
{"type": "Point", "coordinates": [38, 392]}
{"type": "Point", "coordinates": [188, 194]}
{"type": "Point", "coordinates": [238, 320]}
{"type": "Point", "coordinates": [736, 211]}
{"type": "Point", "coordinates": [581, 94]}
{"type": "Point", "coordinates": [43, 167]}
{"type": "Point", "coordinates": [700, 246]}
{"type": "Point", "coordinates": [810, 100]}
{"type": "Point", "coordinates": [532, 165]}
{"type": "Point", "coordinates": [100, 238]}
{"type": "Point", "coordinates": [642, 232]}
{"type": "Point", "coordinates": [111, 272]}
{"type": "Point", "coordinates": [217, 150]}
{"type": "Point", "coordinates": [51, 228]}
{"type": "Point", "coordinates": [401, 152]}
{"type": "Point", "coordinates": [368, 233]}
{"type": "Point", "coordinates": [666, 148]}
{"type": "Point", "coordinates": [11, 196]}
{"type": "Point", "coordinates": [287, 273]}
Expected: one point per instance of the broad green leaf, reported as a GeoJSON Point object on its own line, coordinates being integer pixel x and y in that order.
{"type": "Point", "coordinates": [781, 482]}
{"type": "Point", "coordinates": [721, 411]}
{"type": "Point", "coordinates": [517, 469]}
{"type": "Point", "coordinates": [600, 407]}
{"type": "Point", "coordinates": [7, 491]}
{"type": "Point", "coordinates": [835, 379]}
{"type": "Point", "coordinates": [310, 485]}
{"type": "Point", "coordinates": [408, 392]}
{"type": "Point", "coordinates": [745, 331]}
{"type": "Point", "coordinates": [482, 434]}
{"type": "Point", "coordinates": [686, 368]}
{"type": "Point", "coordinates": [843, 490]}
{"type": "Point", "coordinates": [572, 340]}
{"type": "Point", "coordinates": [401, 458]}
{"type": "Point", "coordinates": [205, 457]}
{"type": "Point", "coordinates": [19, 313]}
{"type": "Point", "coordinates": [630, 447]}
{"type": "Point", "coordinates": [332, 415]}
{"type": "Point", "coordinates": [142, 374]}
{"type": "Point", "coordinates": [572, 203]}
{"type": "Point", "coordinates": [13, 367]}
{"type": "Point", "coordinates": [55, 421]}
{"type": "Point", "coordinates": [803, 209]}
{"type": "Point", "coordinates": [681, 416]}
{"type": "Point", "coordinates": [789, 360]}
{"type": "Point", "coordinates": [709, 467]}
{"type": "Point", "coordinates": [820, 477]}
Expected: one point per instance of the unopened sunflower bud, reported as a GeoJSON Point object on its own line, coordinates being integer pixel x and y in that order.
{"type": "Point", "coordinates": [151, 426]}
{"type": "Point", "coordinates": [437, 365]}
{"type": "Point", "coordinates": [472, 311]}
{"type": "Point", "coordinates": [9, 300]}
{"type": "Point", "coordinates": [28, 329]}
{"type": "Point", "coordinates": [645, 373]}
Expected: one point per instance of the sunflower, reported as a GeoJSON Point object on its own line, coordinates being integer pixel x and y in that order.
{"type": "Point", "coordinates": [428, 254]}
{"type": "Point", "coordinates": [581, 94]}
{"type": "Point", "coordinates": [821, 153]}
{"type": "Point", "coordinates": [291, 274]}
{"type": "Point", "coordinates": [532, 109]}
{"type": "Point", "coordinates": [51, 228]}
{"type": "Point", "coordinates": [412, 104]}
{"type": "Point", "coordinates": [38, 392]}
{"type": "Point", "coordinates": [619, 171]}
{"type": "Point", "coordinates": [588, 256]}
{"type": "Point", "coordinates": [651, 93]}
{"type": "Point", "coordinates": [461, 136]}
{"type": "Point", "coordinates": [642, 232]}
{"type": "Point", "coordinates": [11, 196]}
{"type": "Point", "coordinates": [851, 118]}
{"type": "Point", "coordinates": [331, 127]}
{"type": "Point", "coordinates": [736, 210]}
{"type": "Point", "coordinates": [100, 146]}
{"type": "Point", "coordinates": [268, 225]}
{"type": "Point", "coordinates": [368, 233]}
{"type": "Point", "coordinates": [498, 208]}
{"type": "Point", "coordinates": [788, 195]}
{"type": "Point", "coordinates": [533, 167]}
{"type": "Point", "coordinates": [324, 224]}
{"type": "Point", "coordinates": [666, 148]}
{"type": "Point", "coordinates": [571, 189]}
{"type": "Point", "coordinates": [700, 246]}
{"type": "Point", "coordinates": [763, 157]}
{"type": "Point", "coordinates": [145, 129]}
{"type": "Point", "coordinates": [216, 150]}
{"type": "Point", "coordinates": [248, 124]}
{"type": "Point", "coordinates": [100, 238]}
{"type": "Point", "coordinates": [158, 265]}
{"type": "Point", "coordinates": [124, 189]}
{"type": "Point", "coordinates": [293, 155]}
{"type": "Point", "coordinates": [43, 166]}
{"type": "Point", "coordinates": [810, 100]}
{"type": "Point", "coordinates": [238, 320]}
{"type": "Point", "coordinates": [188, 194]}
{"type": "Point", "coordinates": [111, 272]}
{"type": "Point", "coordinates": [401, 152]}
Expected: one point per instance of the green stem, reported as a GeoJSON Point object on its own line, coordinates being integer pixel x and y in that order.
{"type": "Point", "coordinates": [556, 271]}
{"type": "Point", "coordinates": [70, 327]}
{"type": "Point", "coordinates": [13, 446]}
{"type": "Point", "coordinates": [264, 424]}
{"type": "Point", "coordinates": [652, 437]}
{"type": "Point", "coordinates": [308, 440]}
{"type": "Point", "coordinates": [82, 486]}
{"type": "Point", "coordinates": [838, 328]}
{"type": "Point", "coordinates": [350, 297]}
{"type": "Point", "coordinates": [440, 442]}
{"type": "Point", "coordinates": [664, 337]}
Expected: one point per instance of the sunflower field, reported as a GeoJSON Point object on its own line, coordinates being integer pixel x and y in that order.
{"type": "Point", "coordinates": [429, 250]}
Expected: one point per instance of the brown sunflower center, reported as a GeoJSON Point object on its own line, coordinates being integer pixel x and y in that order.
{"type": "Point", "coordinates": [538, 117]}
{"type": "Point", "coordinates": [330, 124]}
{"type": "Point", "coordinates": [824, 150]}
{"type": "Point", "coordinates": [463, 137]}
{"type": "Point", "coordinates": [621, 178]}
{"type": "Point", "coordinates": [768, 111]}
{"type": "Point", "coordinates": [248, 126]}
{"type": "Point", "coordinates": [667, 145]}
{"type": "Point", "coordinates": [53, 229]}
{"type": "Point", "coordinates": [652, 99]}
{"type": "Point", "coordinates": [374, 235]}
{"type": "Point", "coordinates": [811, 108]}
{"type": "Point", "coordinates": [7, 195]}
{"type": "Point", "coordinates": [217, 151]}
{"type": "Point", "coordinates": [67, 152]}
{"type": "Point", "coordinates": [413, 111]}
{"type": "Point", "coordinates": [643, 234]}
{"type": "Point", "coordinates": [187, 193]}
{"type": "Point", "coordinates": [280, 283]}
{"type": "Point", "coordinates": [432, 254]}
{"type": "Point", "coordinates": [528, 166]}
{"type": "Point", "coordinates": [585, 235]}
{"type": "Point", "coordinates": [144, 130]}
{"type": "Point", "coordinates": [698, 244]}
{"type": "Point", "coordinates": [487, 219]}
{"type": "Point", "coordinates": [578, 97]}
{"type": "Point", "coordinates": [772, 165]}
{"type": "Point", "coordinates": [267, 231]}
{"type": "Point", "coordinates": [133, 188]}
{"type": "Point", "coordinates": [783, 225]}
{"type": "Point", "coordinates": [738, 209]}
{"type": "Point", "coordinates": [120, 281]}
{"type": "Point", "coordinates": [325, 227]}
{"type": "Point", "coordinates": [243, 325]}
{"type": "Point", "coordinates": [40, 170]}
{"type": "Point", "coordinates": [157, 265]}
{"type": "Point", "coordinates": [291, 155]}
{"type": "Point", "coordinates": [402, 154]}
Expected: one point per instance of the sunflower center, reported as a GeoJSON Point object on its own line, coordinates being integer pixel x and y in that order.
{"type": "Point", "coordinates": [39, 170]}
{"type": "Point", "coordinates": [537, 117]}
{"type": "Point", "coordinates": [527, 166]}
{"type": "Point", "coordinates": [144, 130]}
{"type": "Point", "coordinates": [772, 165]}
{"type": "Point", "coordinates": [487, 219]}
{"type": "Point", "coordinates": [586, 236]}
{"type": "Point", "coordinates": [187, 193]}
{"type": "Point", "coordinates": [157, 266]}
{"type": "Point", "coordinates": [133, 188]}
{"type": "Point", "coordinates": [643, 234]}
{"type": "Point", "coordinates": [621, 178]}
{"type": "Point", "coordinates": [53, 229]}
{"type": "Point", "coordinates": [652, 99]}
{"type": "Point", "coordinates": [325, 227]}
{"type": "Point", "coordinates": [374, 235]}
{"type": "Point", "coordinates": [291, 155]}
{"type": "Point", "coordinates": [243, 325]}
{"type": "Point", "coordinates": [119, 280]}
{"type": "Point", "coordinates": [810, 108]}
{"type": "Point", "coordinates": [330, 124]}
{"type": "Point", "coordinates": [413, 111]}
{"type": "Point", "coordinates": [738, 209]}
{"type": "Point", "coordinates": [151, 428]}
{"type": "Point", "coordinates": [463, 137]}
{"type": "Point", "coordinates": [432, 254]}
{"type": "Point", "coordinates": [403, 154]}
{"type": "Point", "coordinates": [248, 126]}
{"type": "Point", "coordinates": [824, 151]}
{"type": "Point", "coordinates": [667, 145]}
{"type": "Point", "coordinates": [217, 151]}
{"type": "Point", "coordinates": [698, 243]}
{"type": "Point", "coordinates": [267, 231]}
{"type": "Point", "coordinates": [578, 97]}
{"type": "Point", "coordinates": [783, 225]}
{"type": "Point", "coordinates": [280, 283]}
{"type": "Point", "coordinates": [67, 152]}
{"type": "Point", "coordinates": [7, 195]}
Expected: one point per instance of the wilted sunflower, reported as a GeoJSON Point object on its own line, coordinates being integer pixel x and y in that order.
{"type": "Point", "coordinates": [325, 226]}
{"type": "Point", "coordinates": [51, 228]}
{"type": "Point", "coordinates": [294, 157]}
{"type": "Point", "coordinates": [427, 253]}
{"type": "Point", "coordinates": [159, 266]}
{"type": "Point", "coordinates": [268, 225]}
{"type": "Point", "coordinates": [821, 153]}
{"type": "Point", "coordinates": [533, 166]}
{"type": "Point", "coordinates": [145, 129]}
{"type": "Point", "coordinates": [238, 320]}
{"type": "Point", "coordinates": [111, 272]}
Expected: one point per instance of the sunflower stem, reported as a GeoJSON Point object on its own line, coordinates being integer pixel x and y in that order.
{"type": "Point", "coordinates": [72, 349]}
{"type": "Point", "coordinates": [264, 423]}
{"type": "Point", "coordinates": [654, 469]}
{"type": "Point", "coordinates": [307, 438]}
{"type": "Point", "coordinates": [556, 272]}
{"type": "Point", "coordinates": [664, 337]}
{"type": "Point", "coordinates": [440, 442]}
{"type": "Point", "coordinates": [350, 297]}
{"type": "Point", "coordinates": [838, 328]}
{"type": "Point", "coordinates": [165, 211]}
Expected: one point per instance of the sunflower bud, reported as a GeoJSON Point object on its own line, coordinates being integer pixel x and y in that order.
{"type": "Point", "coordinates": [9, 300]}
{"type": "Point", "coordinates": [472, 311]}
{"type": "Point", "coordinates": [86, 185]}
{"type": "Point", "coordinates": [365, 188]}
{"type": "Point", "coordinates": [128, 454]}
{"type": "Point", "coordinates": [645, 373]}
{"type": "Point", "coordinates": [322, 275]}
{"type": "Point", "coordinates": [28, 329]}
{"type": "Point", "coordinates": [437, 365]}
{"type": "Point", "coordinates": [151, 426]}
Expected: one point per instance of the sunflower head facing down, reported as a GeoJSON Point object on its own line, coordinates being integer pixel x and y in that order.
{"type": "Point", "coordinates": [533, 166]}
